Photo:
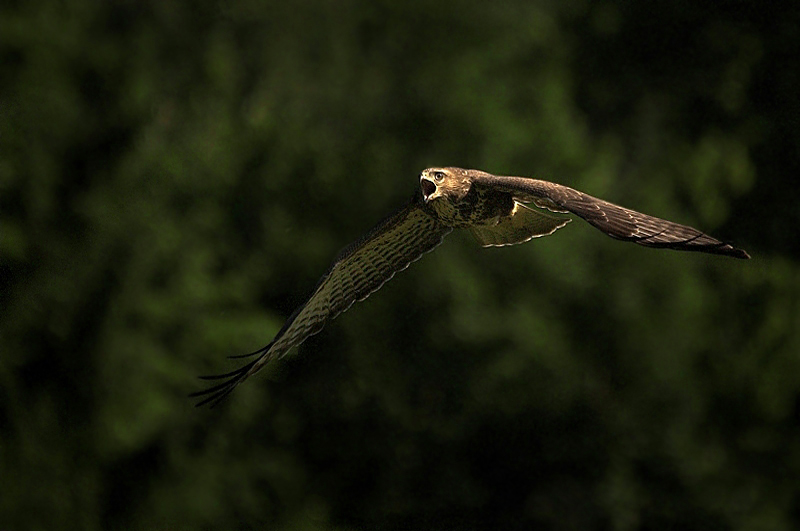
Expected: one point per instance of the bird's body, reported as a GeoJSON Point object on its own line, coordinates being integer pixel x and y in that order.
{"type": "Point", "coordinates": [465, 205]}
{"type": "Point", "coordinates": [494, 208]}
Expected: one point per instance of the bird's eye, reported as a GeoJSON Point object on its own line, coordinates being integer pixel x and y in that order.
{"type": "Point", "coordinates": [438, 176]}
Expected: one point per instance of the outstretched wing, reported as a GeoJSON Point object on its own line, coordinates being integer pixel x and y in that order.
{"type": "Point", "coordinates": [614, 220]}
{"type": "Point", "coordinates": [358, 270]}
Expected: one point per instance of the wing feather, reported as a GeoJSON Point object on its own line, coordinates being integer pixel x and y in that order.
{"type": "Point", "coordinates": [359, 270]}
{"type": "Point", "coordinates": [616, 221]}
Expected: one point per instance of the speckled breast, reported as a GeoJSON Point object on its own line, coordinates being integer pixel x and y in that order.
{"type": "Point", "coordinates": [479, 207]}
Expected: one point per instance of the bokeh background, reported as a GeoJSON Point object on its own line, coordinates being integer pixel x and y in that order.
{"type": "Point", "coordinates": [175, 176]}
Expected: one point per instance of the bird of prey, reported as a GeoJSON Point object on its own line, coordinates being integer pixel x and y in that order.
{"type": "Point", "coordinates": [497, 210]}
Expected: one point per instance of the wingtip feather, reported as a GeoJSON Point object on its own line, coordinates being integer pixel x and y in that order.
{"type": "Point", "coordinates": [217, 393]}
{"type": "Point", "coordinates": [739, 253]}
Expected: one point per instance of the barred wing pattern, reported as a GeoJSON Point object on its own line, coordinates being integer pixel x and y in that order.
{"type": "Point", "coordinates": [359, 269]}
{"type": "Point", "coordinates": [616, 221]}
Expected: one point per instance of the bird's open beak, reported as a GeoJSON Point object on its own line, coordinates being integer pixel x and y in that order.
{"type": "Point", "coordinates": [428, 188]}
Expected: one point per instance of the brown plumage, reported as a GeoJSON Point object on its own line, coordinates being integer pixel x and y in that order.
{"type": "Point", "coordinates": [493, 208]}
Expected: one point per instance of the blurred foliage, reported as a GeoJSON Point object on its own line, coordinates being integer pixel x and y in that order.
{"type": "Point", "coordinates": [175, 176]}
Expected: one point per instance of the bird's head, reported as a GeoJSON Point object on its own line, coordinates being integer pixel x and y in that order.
{"type": "Point", "coordinates": [449, 183]}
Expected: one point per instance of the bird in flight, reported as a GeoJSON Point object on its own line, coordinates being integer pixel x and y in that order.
{"type": "Point", "coordinates": [497, 210]}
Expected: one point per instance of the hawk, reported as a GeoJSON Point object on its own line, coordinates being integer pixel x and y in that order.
{"type": "Point", "coordinates": [497, 210]}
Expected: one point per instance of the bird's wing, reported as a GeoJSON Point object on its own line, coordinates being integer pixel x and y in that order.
{"type": "Point", "coordinates": [359, 269]}
{"type": "Point", "coordinates": [522, 225]}
{"type": "Point", "coordinates": [614, 220]}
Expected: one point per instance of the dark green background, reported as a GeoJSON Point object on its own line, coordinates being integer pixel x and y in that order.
{"type": "Point", "coordinates": [175, 176]}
